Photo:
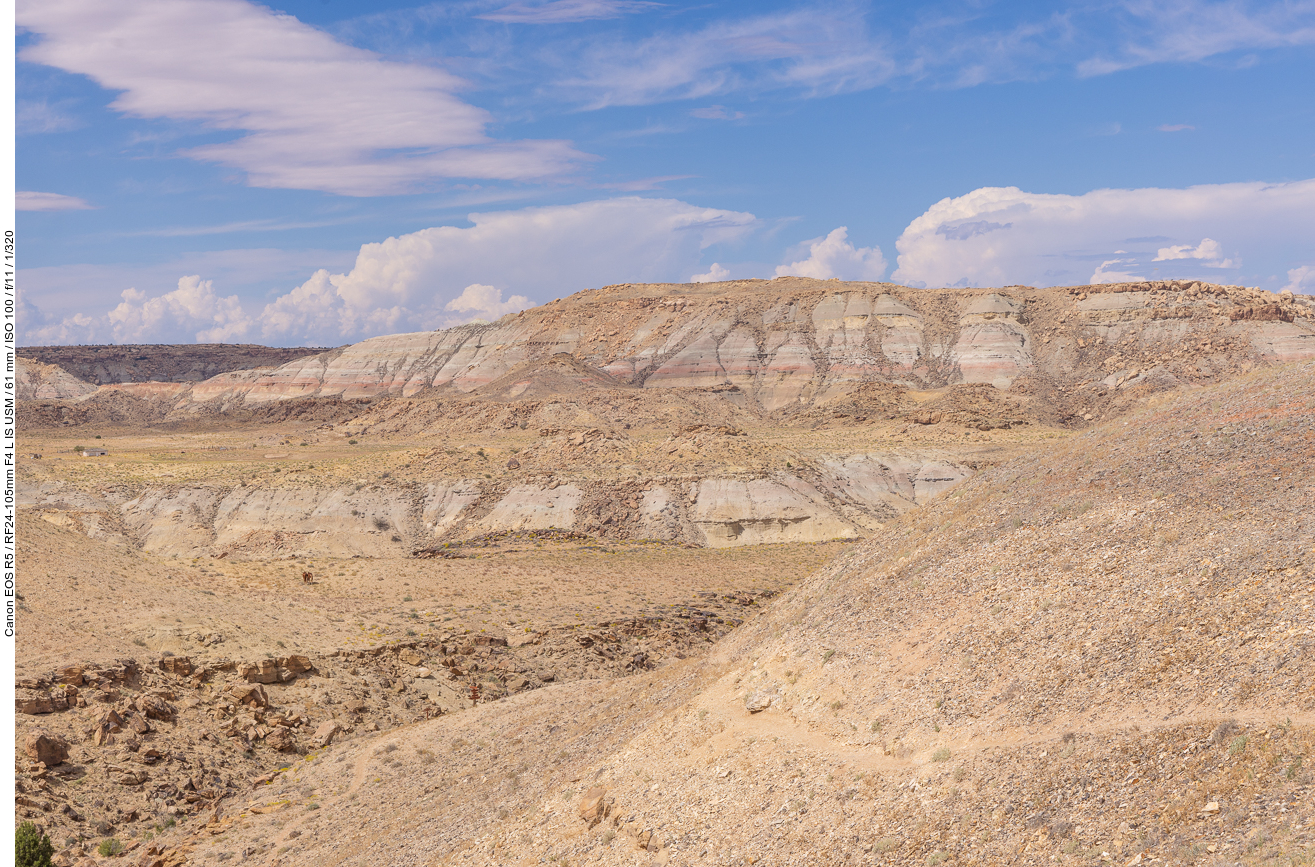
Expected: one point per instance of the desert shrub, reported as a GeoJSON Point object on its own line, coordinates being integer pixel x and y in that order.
{"type": "Point", "coordinates": [381, 524]}
{"type": "Point", "coordinates": [31, 847]}
{"type": "Point", "coordinates": [941, 755]}
{"type": "Point", "coordinates": [109, 847]}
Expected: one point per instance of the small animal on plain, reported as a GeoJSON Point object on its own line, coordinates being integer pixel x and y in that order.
{"type": "Point", "coordinates": [307, 578]}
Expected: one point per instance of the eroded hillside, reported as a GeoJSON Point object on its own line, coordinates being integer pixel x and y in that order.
{"type": "Point", "coordinates": [521, 592]}
{"type": "Point", "coordinates": [1098, 654]}
{"type": "Point", "coordinates": [712, 414]}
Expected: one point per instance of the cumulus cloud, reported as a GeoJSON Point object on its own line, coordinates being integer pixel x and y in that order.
{"type": "Point", "coordinates": [834, 256]}
{"type": "Point", "coordinates": [30, 201]}
{"type": "Point", "coordinates": [313, 113]}
{"type": "Point", "coordinates": [433, 278]}
{"type": "Point", "coordinates": [485, 302]}
{"type": "Point", "coordinates": [1110, 272]}
{"type": "Point", "coordinates": [1301, 280]}
{"type": "Point", "coordinates": [1209, 251]}
{"type": "Point", "coordinates": [998, 236]}
{"type": "Point", "coordinates": [715, 274]}
{"type": "Point", "coordinates": [192, 312]}
{"type": "Point", "coordinates": [437, 277]}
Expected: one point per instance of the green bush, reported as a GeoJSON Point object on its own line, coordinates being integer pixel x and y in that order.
{"type": "Point", "coordinates": [31, 847]}
{"type": "Point", "coordinates": [109, 846]}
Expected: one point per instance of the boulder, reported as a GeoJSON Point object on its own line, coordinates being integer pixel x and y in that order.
{"type": "Point", "coordinates": [177, 665]}
{"type": "Point", "coordinates": [39, 702]}
{"type": "Point", "coordinates": [759, 701]}
{"type": "Point", "coordinates": [104, 730]}
{"type": "Point", "coordinates": [264, 671]}
{"type": "Point", "coordinates": [595, 805]}
{"type": "Point", "coordinates": [126, 776]}
{"type": "Point", "coordinates": [410, 657]}
{"type": "Point", "coordinates": [282, 740]}
{"type": "Point", "coordinates": [154, 707]}
{"type": "Point", "coordinates": [249, 695]}
{"type": "Point", "coordinates": [71, 675]}
{"type": "Point", "coordinates": [48, 749]}
{"type": "Point", "coordinates": [295, 664]}
{"type": "Point", "coordinates": [325, 733]}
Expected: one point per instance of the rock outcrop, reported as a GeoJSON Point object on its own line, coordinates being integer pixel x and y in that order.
{"type": "Point", "coordinates": [789, 343]}
{"type": "Point", "coordinates": [839, 497]}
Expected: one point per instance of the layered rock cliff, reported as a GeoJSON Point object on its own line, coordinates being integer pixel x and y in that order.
{"type": "Point", "coordinates": [776, 346]}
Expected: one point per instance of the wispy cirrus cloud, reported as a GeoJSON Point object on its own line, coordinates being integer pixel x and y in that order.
{"type": "Point", "coordinates": [825, 49]}
{"type": "Point", "coordinates": [36, 116]}
{"type": "Point", "coordinates": [308, 112]}
{"type": "Point", "coordinates": [822, 50]}
{"type": "Point", "coordinates": [25, 200]}
{"type": "Point", "coordinates": [1187, 31]}
{"type": "Point", "coordinates": [566, 11]}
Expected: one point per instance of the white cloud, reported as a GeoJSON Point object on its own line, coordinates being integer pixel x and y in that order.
{"type": "Point", "coordinates": [1175, 127]}
{"type": "Point", "coordinates": [485, 302]}
{"type": "Point", "coordinates": [38, 116]}
{"type": "Point", "coordinates": [997, 236]}
{"type": "Point", "coordinates": [192, 312]}
{"type": "Point", "coordinates": [1301, 280]}
{"type": "Point", "coordinates": [815, 50]}
{"type": "Point", "coordinates": [418, 281]}
{"type": "Point", "coordinates": [1209, 251]}
{"type": "Point", "coordinates": [434, 278]}
{"type": "Point", "coordinates": [1106, 272]}
{"type": "Point", "coordinates": [30, 201]}
{"type": "Point", "coordinates": [715, 275]}
{"type": "Point", "coordinates": [1186, 31]}
{"type": "Point", "coordinates": [316, 114]}
{"type": "Point", "coordinates": [564, 11]}
{"type": "Point", "coordinates": [716, 112]}
{"type": "Point", "coordinates": [834, 256]}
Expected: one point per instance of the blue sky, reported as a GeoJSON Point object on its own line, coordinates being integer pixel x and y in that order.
{"type": "Point", "coordinates": [318, 172]}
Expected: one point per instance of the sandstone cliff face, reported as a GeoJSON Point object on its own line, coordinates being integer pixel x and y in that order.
{"type": "Point", "coordinates": [790, 343]}
{"type": "Point", "coordinates": [839, 498]}
{"type": "Point", "coordinates": [37, 381]}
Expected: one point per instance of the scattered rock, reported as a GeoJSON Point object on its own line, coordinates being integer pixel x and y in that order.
{"type": "Point", "coordinates": [759, 700]}
{"type": "Point", "coordinates": [325, 733]}
{"type": "Point", "coordinates": [595, 805]}
{"type": "Point", "coordinates": [35, 703]}
{"type": "Point", "coordinates": [48, 749]}
{"type": "Point", "coordinates": [282, 740]}
{"type": "Point", "coordinates": [264, 671]}
{"type": "Point", "coordinates": [176, 665]}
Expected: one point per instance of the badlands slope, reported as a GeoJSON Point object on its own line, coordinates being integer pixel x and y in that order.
{"type": "Point", "coordinates": [1075, 624]}
{"type": "Point", "coordinates": [788, 410]}
{"type": "Point", "coordinates": [1100, 653]}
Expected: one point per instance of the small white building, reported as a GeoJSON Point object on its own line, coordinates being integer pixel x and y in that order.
{"type": "Point", "coordinates": [94, 452]}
